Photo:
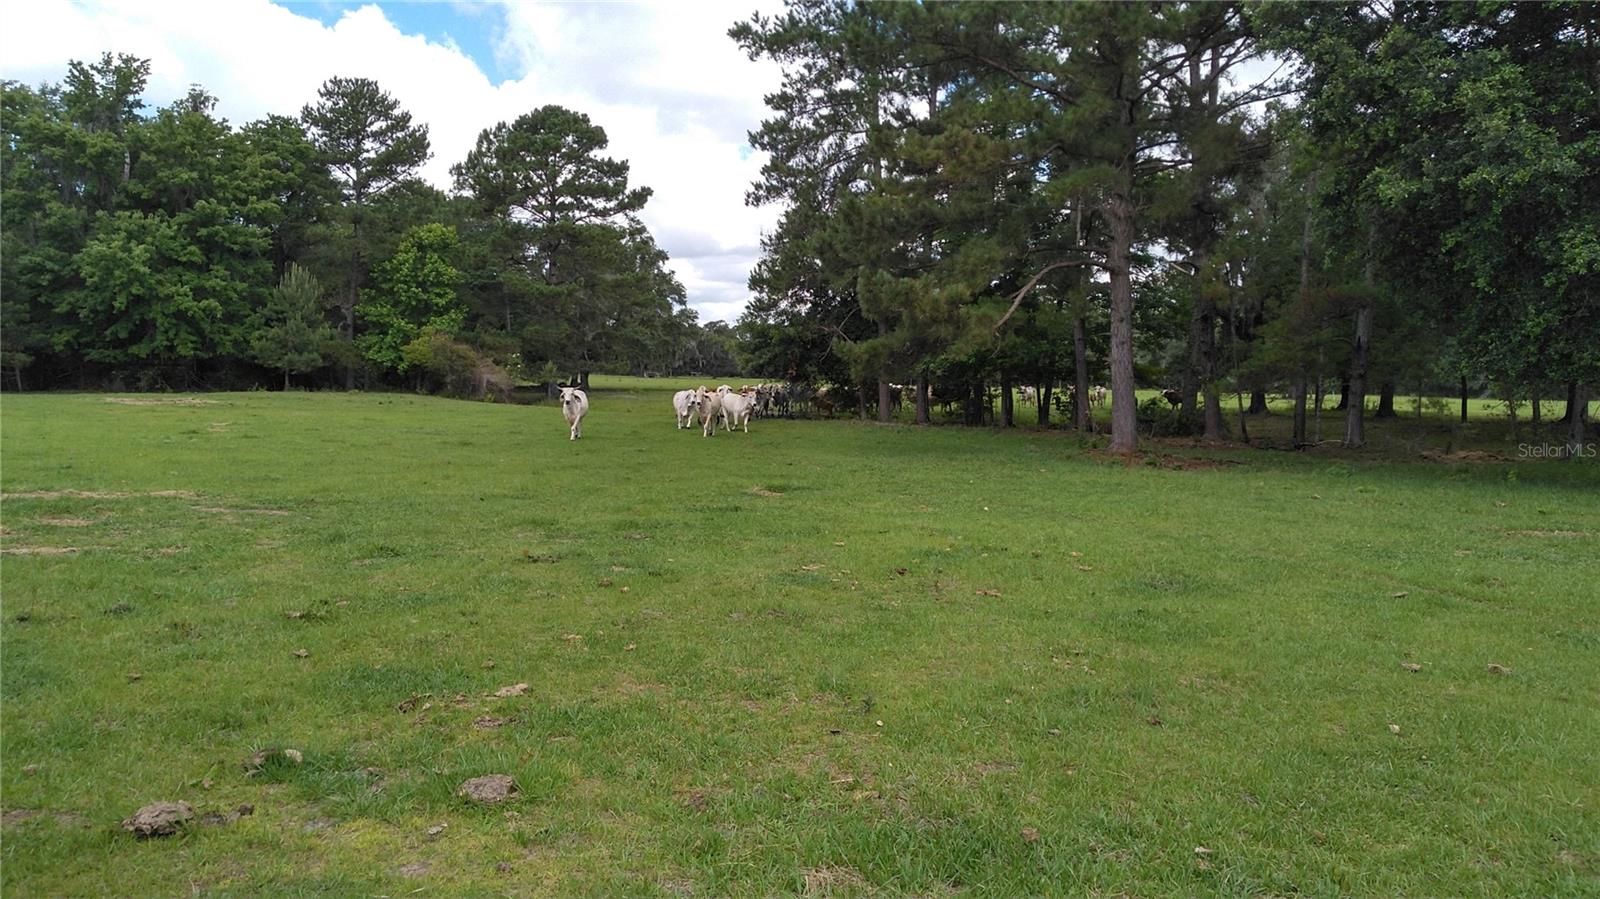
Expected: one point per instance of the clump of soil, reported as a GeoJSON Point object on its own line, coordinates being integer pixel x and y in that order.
{"type": "Point", "coordinates": [488, 789]}
{"type": "Point", "coordinates": [158, 819]}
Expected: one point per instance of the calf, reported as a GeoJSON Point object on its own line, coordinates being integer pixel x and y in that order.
{"type": "Point", "coordinates": [686, 403]}
{"type": "Point", "coordinates": [1173, 397]}
{"type": "Point", "coordinates": [574, 406]}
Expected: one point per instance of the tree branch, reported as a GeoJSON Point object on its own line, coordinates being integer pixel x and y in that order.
{"type": "Point", "coordinates": [1016, 299]}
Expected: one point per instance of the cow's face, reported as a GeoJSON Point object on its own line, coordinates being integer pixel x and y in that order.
{"type": "Point", "coordinates": [694, 400]}
{"type": "Point", "coordinates": [569, 396]}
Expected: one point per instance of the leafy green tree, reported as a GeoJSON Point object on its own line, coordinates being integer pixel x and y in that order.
{"type": "Point", "coordinates": [168, 283]}
{"type": "Point", "coordinates": [368, 144]}
{"type": "Point", "coordinates": [296, 193]}
{"type": "Point", "coordinates": [291, 333]}
{"type": "Point", "coordinates": [416, 289]}
{"type": "Point", "coordinates": [68, 153]}
{"type": "Point", "coordinates": [1463, 136]}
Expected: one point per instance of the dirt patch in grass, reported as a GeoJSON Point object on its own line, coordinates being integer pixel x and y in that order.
{"type": "Point", "coordinates": [68, 522]}
{"type": "Point", "coordinates": [223, 510]}
{"type": "Point", "coordinates": [97, 494]}
{"type": "Point", "coordinates": [629, 687]}
{"type": "Point", "coordinates": [987, 768]}
{"type": "Point", "coordinates": [160, 401]}
{"type": "Point", "coordinates": [1163, 460]}
{"type": "Point", "coordinates": [39, 550]}
{"type": "Point", "coordinates": [15, 816]}
{"type": "Point", "coordinates": [1465, 456]}
{"type": "Point", "coordinates": [1540, 533]}
{"type": "Point", "coordinates": [832, 881]}
{"type": "Point", "coordinates": [764, 492]}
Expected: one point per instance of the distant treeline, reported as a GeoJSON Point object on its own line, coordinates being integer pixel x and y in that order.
{"type": "Point", "coordinates": [1219, 199]}
{"type": "Point", "coordinates": [169, 249]}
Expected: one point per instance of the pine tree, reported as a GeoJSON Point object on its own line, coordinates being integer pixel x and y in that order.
{"type": "Point", "coordinates": [292, 334]}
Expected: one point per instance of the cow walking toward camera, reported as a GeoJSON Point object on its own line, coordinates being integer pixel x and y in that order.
{"type": "Point", "coordinates": [736, 408]}
{"type": "Point", "coordinates": [710, 411]}
{"type": "Point", "coordinates": [686, 403]}
{"type": "Point", "coordinates": [574, 406]}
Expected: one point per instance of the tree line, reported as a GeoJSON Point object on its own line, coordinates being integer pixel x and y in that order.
{"type": "Point", "coordinates": [149, 249]}
{"type": "Point", "coordinates": [1220, 199]}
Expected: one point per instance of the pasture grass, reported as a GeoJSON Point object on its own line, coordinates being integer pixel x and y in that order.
{"type": "Point", "coordinates": [824, 657]}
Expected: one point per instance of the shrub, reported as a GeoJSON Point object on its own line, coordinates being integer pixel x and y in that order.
{"type": "Point", "coordinates": [451, 367]}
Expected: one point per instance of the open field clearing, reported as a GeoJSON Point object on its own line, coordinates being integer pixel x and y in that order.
{"type": "Point", "coordinates": [824, 657]}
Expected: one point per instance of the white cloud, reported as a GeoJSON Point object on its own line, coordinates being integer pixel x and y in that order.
{"type": "Point", "coordinates": [675, 95]}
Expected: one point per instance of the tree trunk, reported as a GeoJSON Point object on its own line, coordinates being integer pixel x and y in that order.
{"type": "Point", "coordinates": [1355, 434]}
{"type": "Point", "coordinates": [1299, 393]}
{"type": "Point", "coordinates": [1344, 395]}
{"type": "Point", "coordinates": [1005, 401]}
{"type": "Point", "coordinates": [861, 400]}
{"type": "Point", "coordinates": [1214, 430]}
{"type": "Point", "coordinates": [1244, 428]}
{"type": "Point", "coordinates": [583, 381]}
{"type": "Point", "coordinates": [1124, 405]}
{"type": "Point", "coordinates": [1572, 401]}
{"type": "Point", "coordinates": [1258, 402]}
{"type": "Point", "coordinates": [1511, 413]}
{"type": "Point", "coordinates": [1463, 399]}
{"type": "Point", "coordinates": [885, 412]}
{"type": "Point", "coordinates": [1385, 400]}
{"type": "Point", "coordinates": [1080, 376]}
{"type": "Point", "coordinates": [922, 400]}
{"type": "Point", "coordinates": [286, 380]}
{"type": "Point", "coordinates": [354, 297]}
{"type": "Point", "coordinates": [1578, 407]}
{"type": "Point", "coordinates": [350, 337]}
{"type": "Point", "coordinates": [1534, 415]}
{"type": "Point", "coordinates": [1193, 376]}
{"type": "Point", "coordinates": [1044, 403]}
{"type": "Point", "coordinates": [1318, 437]}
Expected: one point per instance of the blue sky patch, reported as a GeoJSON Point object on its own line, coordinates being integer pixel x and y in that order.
{"type": "Point", "coordinates": [473, 27]}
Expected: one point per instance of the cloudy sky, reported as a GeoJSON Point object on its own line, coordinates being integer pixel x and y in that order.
{"type": "Point", "coordinates": [676, 97]}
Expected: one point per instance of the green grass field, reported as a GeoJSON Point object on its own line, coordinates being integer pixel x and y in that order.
{"type": "Point", "coordinates": [824, 657]}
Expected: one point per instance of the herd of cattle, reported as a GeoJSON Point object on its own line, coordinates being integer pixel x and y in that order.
{"type": "Point", "coordinates": [735, 408]}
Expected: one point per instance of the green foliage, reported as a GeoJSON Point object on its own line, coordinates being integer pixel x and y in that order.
{"type": "Point", "coordinates": [580, 281]}
{"type": "Point", "coordinates": [1463, 134]}
{"type": "Point", "coordinates": [416, 289]}
{"type": "Point", "coordinates": [455, 368]}
{"type": "Point", "coordinates": [293, 335]}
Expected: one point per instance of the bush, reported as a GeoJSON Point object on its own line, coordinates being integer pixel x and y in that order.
{"type": "Point", "coordinates": [454, 368]}
{"type": "Point", "coordinates": [1159, 418]}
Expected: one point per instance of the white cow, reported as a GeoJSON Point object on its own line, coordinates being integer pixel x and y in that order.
{"type": "Point", "coordinates": [1030, 394]}
{"type": "Point", "coordinates": [1099, 395]}
{"type": "Point", "coordinates": [686, 403]}
{"type": "Point", "coordinates": [710, 408]}
{"type": "Point", "coordinates": [574, 406]}
{"type": "Point", "coordinates": [737, 407]}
